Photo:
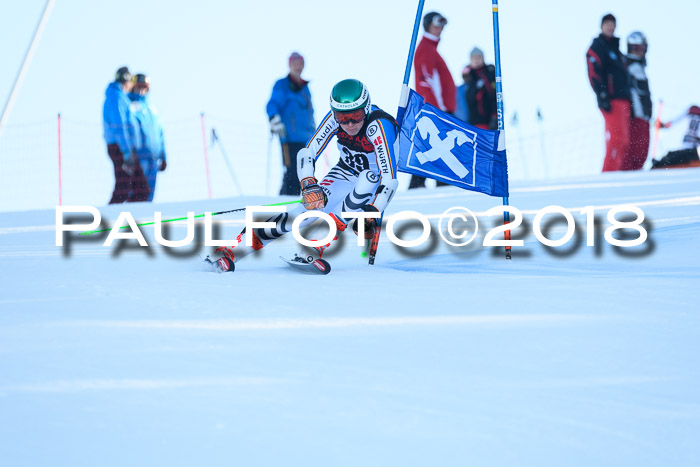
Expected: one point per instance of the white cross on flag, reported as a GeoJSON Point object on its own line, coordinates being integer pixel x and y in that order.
{"type": "Point", "coordinates": [437, 145]}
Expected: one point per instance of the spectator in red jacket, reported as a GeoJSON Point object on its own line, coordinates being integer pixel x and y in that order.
{"type": "Point", "coordinates": [607, 73]}
{"type": "Point", "coordinates": [433, 79]}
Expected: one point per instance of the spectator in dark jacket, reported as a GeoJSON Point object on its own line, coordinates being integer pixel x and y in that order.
{"type": "Point", "coordinates": [292, 119]}
{"type": "Point", "coordinates": [607, 73]}
{"type": "Point", "coordinates": [119, 134]}
{"type": "Point", "coordinates": [481, 92]}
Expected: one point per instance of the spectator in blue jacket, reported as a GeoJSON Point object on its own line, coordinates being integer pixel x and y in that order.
{"type": "Point", "coordinates": [292, 119]}
{"type": "Point", "coordinates": [151, 150]}
{"type": "Point", "coordinates": [120, 135]}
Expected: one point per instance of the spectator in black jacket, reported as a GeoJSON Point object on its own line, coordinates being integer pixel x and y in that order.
{"type": "Point", "coordinates": [607, 73]}
{"type": "Point", "coordinates": [481, 91]}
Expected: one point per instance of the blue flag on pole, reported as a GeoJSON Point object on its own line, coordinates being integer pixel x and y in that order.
{"type": "Point", "coordinates": [437, 145]}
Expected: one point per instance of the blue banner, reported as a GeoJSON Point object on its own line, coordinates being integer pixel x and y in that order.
{"type": "Point", "coordinates": [436, 145]}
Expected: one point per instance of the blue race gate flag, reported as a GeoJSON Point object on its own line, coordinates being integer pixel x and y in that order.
{"type": "Point", "coordinates": [437, 145]}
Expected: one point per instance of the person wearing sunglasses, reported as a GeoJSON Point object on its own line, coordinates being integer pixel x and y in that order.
{"type": "Point", "coordinates": [363, 180]}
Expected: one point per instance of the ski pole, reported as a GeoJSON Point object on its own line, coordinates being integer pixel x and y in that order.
{"type": "Point", "coordinates": [90, 232]}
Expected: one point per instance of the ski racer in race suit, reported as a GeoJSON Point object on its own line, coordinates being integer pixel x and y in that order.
{"type": "Point", "coordinates": [689, 155]}
{"type": "Point", "coordinates": [364, 179]}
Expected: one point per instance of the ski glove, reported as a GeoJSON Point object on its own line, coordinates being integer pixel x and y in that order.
{"type": "Point", "coordinates": [604, 102]}
{"type": "Point", "coordinates": [162, 165]}
{"type": "Point", "coordinates": [312, 194]}
{"type": "Point", "coordinates": [277, 127]}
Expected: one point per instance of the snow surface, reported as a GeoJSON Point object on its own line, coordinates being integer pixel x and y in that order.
{"type": "Point", "coordinates": [579, 356]}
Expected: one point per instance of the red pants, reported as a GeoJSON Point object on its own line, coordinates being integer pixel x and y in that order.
{"type": "Point", "coordinates": [638, 148]}
{"type": "Point", "coordinates": [617, 134]}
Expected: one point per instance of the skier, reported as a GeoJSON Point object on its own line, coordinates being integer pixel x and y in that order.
{"type": "Point", "coordinates": [690, 154]}
{"type": "Point", "coordinates": [609, 79]}
{"type": "Point", "coordinates": [638, 147]}
{"type": "Point", "coordinates": [364, 179]}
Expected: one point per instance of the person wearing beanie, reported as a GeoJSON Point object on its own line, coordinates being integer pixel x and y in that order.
{"type": "Point", "coordinates": [120, 134]}
{"type": "Point", "coordinates": [291, 118]}
{"type": "Point", "coordinates": [433, 78]}
{"type": "Point", "coordinates": [481, 91]}
{"type": "Point", "coordinates": [607, 73]}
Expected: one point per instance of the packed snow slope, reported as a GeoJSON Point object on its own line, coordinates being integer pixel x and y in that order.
{"type": "Point", "coordinates": [576, 355]}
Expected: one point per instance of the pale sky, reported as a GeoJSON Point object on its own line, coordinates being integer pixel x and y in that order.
{"type": "Point", "coordinates": [223, 57]}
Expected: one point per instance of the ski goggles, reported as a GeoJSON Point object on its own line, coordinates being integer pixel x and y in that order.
{"type": "Point", "coordinates": [348, 118]}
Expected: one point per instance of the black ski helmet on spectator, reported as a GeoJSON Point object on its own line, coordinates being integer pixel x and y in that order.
{"type": "Point", "coordinates": [123, 75]}
{"type": "Point", "coordinates": [141, 78]}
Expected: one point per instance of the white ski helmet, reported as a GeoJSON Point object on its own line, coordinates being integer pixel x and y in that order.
{"type": "Point", "coordinates": [637, 43]}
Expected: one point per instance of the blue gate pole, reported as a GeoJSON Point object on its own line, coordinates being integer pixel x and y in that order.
{"type": "Point", "coordinates": [499, 106]}
{"type": "Point", "coordinates": [403, 101]}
